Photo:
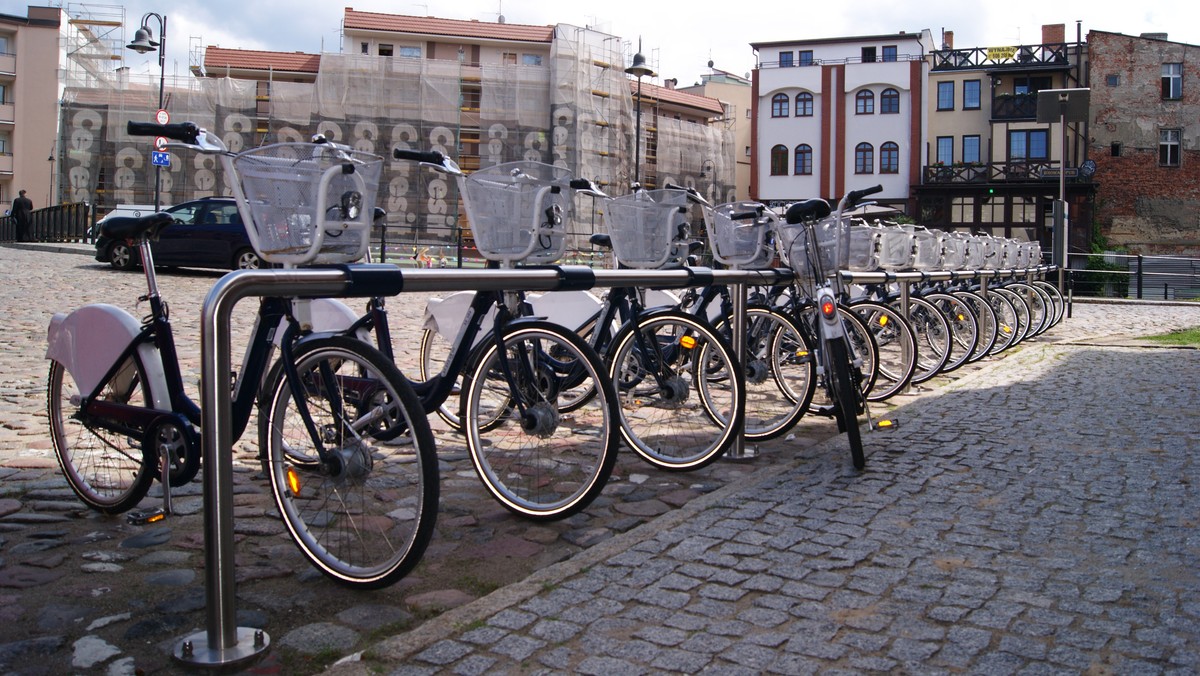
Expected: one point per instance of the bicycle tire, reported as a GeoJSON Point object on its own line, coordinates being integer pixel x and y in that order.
{"type": "Point", "coordinates": [931, 330]}
{"type": "Point", "coordinates": [1021, 329]}
{"type": "Point", "coordinates": [365, 516]}
{"type": "Point", "coordinates": [896, 348]}
{"type": "Point", "coordinates": [1007, 322]}
{"type": "Point", "coordinates": [536, 460]}
{"type": "Point", "coordinates": [964, 328]}
{"type": "Point", "coordinates": [109, 471]}
{"type": "Point", "coordinates": [433, 353]}
{"type": "Point", "coordinates": [987, 323]}
{"type": "Point", "coordinates": [655, 363]}
{"type": "Point", "coordinates": [845, 395]}
{"type": "Point", "coordinates": [780, 374]}
{"type": "Point", "coordinates": [1040, 307]}
{"type": "Point", "coordinates": [1056, 298]}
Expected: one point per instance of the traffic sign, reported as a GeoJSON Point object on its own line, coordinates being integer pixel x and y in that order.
{"type": "Point", "coordinates": [162, 116]}
{"type": "Point", "coordinates": [160, 159]}
{"type": "Point", "coordinates": [160, 142]}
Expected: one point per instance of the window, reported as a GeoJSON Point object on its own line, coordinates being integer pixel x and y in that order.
{"type": "Point", "coordinates": [4, 93]}
{"type": "Point", "coordinates": [365, 47]}
{"type": "Point", "coordinates": [889, 158]}
{"type": "Point", "coordinates": [1112, 80]}
{"type": "Point", "coordinates": [970, 149]}
{"type": "Point", "coordinates": [779, 161]}
{"type": "Point", "coordinates": [748, 151]}
{"type": "Point", "coordinates": [889, 52]}
{"type": "Point", "coordinates": [864, 102]}
{"type": "Point", "coordinates": [864, 158]}
{"type": "Point", "coordinates": [1172, 80]}
{"type": "Point", "coordinates": [385, 50]}
{"type": "Point", "coordinates": [779, 105]}
{"type": "Point", "coordinates": [971, 94]}
{"type": "Point", "coordinates": [945, 96]}
{"type": "Point", "coordinates": [410, 52]}
{"type": "Point", "coordinates": [868, 55]}
{"type": "Point", "coordinates": [803, 160]}
{"type": "Point", "coordinates": [889, 101]}
{"type": "Point", "coordinates": [508, 58]}
{"type": "Point", "coordinates": [1168, 147]}
{"type": "Point", "coordinates": [1029, 144]}
{"type": "Point", "coordinates": [962, 210]}
{"type": "Point", "coordinates": [806, 57]}
{"type": "Point", "coordinates": [785, 60]}
{"type": "Point", "coordinates": [945, 150]}
{"type": "Point", "coordinates": [4, 143]}
{"type": "Point", "coordinates": [531, 59]}
{"type": "Point", "coordinates": [749, 113]}
{"type": "Point", "coordinates": [804, 104]}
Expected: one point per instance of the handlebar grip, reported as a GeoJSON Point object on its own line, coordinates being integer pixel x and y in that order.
{"type": "Point", "coordinates": [856, 195]}
{"type": "Point", "coordinates": [426, 156]}
{"type": "Point", "coordinates": [746, 215]}
{"type": "Point", "coordinates": [186, 132]}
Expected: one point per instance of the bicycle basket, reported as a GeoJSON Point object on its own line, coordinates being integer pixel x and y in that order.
{"type": "Point", "coordinates": [973, 252]}
{"type": "Point", "coordinates": [954, 251]}
{"type": "Point", "coordinates": [649, 228]}
{"type": "Point", "coordinates": [864, 248]}
{"type": "Point", "coordinates": [307, 202]}
{"type": "Point", "coordinates": [993, 252]}
{"type": "Point", "coordinates": [519, 211]}
{"type": "Point", "coordinates": [928, 248]}
{"type": "Point", "coordinates": [896, 248]}
{"type": "Point", "coordinates": [738, 231]}
{"type": "Point", "coordinates": [803, 255]}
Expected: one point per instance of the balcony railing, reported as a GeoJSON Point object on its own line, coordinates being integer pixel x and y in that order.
{"type": "Point", "coordinates": [996, 172]}
{"type": "Point", "coordinates": [1014, 106]}
{"type": "Point", "coordinates": [1014, 58]}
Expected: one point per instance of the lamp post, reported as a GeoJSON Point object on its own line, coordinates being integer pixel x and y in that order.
{"type": "Point", "coordinates": [143, 42]}
{"type": "Point", "coordinates": [638, 69]}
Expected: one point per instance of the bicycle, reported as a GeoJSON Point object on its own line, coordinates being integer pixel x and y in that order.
{"type": "Point", "coordinates": [814, 243]}
{"type": "Point", "coordinates": [120, 416]}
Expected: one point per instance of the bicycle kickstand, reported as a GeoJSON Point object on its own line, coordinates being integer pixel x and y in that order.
{"type": "Point", "coordinates": [143, 517]}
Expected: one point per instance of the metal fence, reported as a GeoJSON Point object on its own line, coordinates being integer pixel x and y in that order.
{"type": "Point", "coordinates": [60, 223]}
{"type": "Point", "coordinates": [1142, 277]}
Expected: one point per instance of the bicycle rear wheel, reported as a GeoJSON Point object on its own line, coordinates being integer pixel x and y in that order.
{"type": "Point", "coordinates": [365, 513]}
{"type": "Point", "coordinates": [680, 396]}
{"type": "Point", "coordinates": [896, 348]}
{"type": "Point", "coordinates": [931, 330]}
{"type": "Point", "coordinates": [109, 471]}
{"type": "Point", "coordinates": [537, 459]}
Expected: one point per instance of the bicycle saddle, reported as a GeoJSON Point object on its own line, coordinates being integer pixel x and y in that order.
{"type": "Point", "coordinates": [135, 227]}
{"type": "Point", "coordinates": [807, 210]}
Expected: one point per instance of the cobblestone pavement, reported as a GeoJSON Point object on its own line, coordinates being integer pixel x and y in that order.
{"type": "Point", "coordinates": [1032, 513]}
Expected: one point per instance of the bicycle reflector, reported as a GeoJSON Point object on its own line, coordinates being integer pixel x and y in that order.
{"type": "Point", "coordinates": [293, 481]}
{"type": "Point", "coordinates": [688, 342]}
{"type": "Point", "coordinates": [828, 308]}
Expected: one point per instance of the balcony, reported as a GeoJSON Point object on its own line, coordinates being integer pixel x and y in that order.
{"type": "Point", "coordinates": [1024, 57]}
{"type": "Point", "coordinates": [6, 164]}
{"type": "Point", "coordinates": [1014, 106]}
{"type": "Point", "coordinates": [997, 172]}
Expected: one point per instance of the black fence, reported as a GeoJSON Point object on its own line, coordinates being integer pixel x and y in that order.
{"type": "Point", "coordinates": [1136, 276]}
{"type": "Point", "coordinates": [61, 223]}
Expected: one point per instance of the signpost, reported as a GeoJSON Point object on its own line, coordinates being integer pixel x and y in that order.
{"type": "Point", "coordinates": [1062, 106]}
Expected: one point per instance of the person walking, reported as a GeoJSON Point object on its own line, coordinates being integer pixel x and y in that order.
{"type": "Point", "coordinates": [22, 209]}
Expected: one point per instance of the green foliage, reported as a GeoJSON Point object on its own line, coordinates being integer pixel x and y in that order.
{"type": "Point", "coordinates": [1101, 278]}
{"type": "Point", "coordinates": [1181, 337]}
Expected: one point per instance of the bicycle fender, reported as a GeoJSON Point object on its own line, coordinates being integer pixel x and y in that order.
{"type": "Point", "coordinates": [570, 309]}
{"type": "Point", "coordinates": [89, 340]}
{"type": "Point", "coordinates": [330, 315]}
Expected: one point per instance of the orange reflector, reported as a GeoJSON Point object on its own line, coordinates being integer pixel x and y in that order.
{"type": "Point", "coordinates": [801, 353]}
{"type": "Point", "coordinates": [828, 308]}
{"type": "Point", "coordinates": [883, 320]}
{"type": "Point", "coordinates": [962, 318]}
{"type": "Point", "coordinates": [157, 516]}
{"type": "Point", "coordinates": [293, 481]}
{"type": "Point", "coordinates": [885, 423]}
{"type": "Point", "coordinates": [687, 342]}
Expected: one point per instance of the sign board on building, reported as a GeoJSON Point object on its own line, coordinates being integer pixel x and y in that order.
{"type": "Point", "coordinates": [1001, 53]}
{"type": "Point", "coordinates": [1052, 172]}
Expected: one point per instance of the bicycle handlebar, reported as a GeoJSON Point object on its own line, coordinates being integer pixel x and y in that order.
{"type": "Point", "coordinates": [187, 132]}
{"type": "Point", "coordinates": [692, 194]}
{"type": "Point", "coordinates": [426, 156]}
{"type": "Point", "coordinates": [852, 198]}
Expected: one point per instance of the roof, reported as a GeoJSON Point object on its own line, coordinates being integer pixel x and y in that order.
{"type": "Point", "coordinates": [428, 25]}
{"type": "Point", "coordinates": [219, 58]}
{"type": "Point", "coordinates": [833, 41]}
{"type": "Point", "coordinates": [679, 98]}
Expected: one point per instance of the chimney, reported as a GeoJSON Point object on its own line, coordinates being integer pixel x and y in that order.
{"type": "Point", "coordinates": [671, 83]}
{"type": "Point", "coordinates": [1054, 33]}
{"type": "Point", "coordinates": [947, 39]}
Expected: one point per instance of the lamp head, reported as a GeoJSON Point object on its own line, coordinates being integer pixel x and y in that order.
{"type": "Point", "coordinates": [639, 67]}
{"type": "Point", "coordinates": [143, 41]}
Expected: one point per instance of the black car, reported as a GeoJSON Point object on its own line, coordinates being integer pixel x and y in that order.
{"type": "Point", "coordinates": [206, 233]}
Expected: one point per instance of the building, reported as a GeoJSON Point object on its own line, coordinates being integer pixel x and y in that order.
{"type": "Point", "coordinates": [838, 114]}
{"type": "Point", "coordinates": [734, 93]}
{"type": "Point", "coordinates": [1145, 141]}
{"type": "Point", "coordinates": [989, 165]}
{"type": "Point", "coordinates": [30, 54]}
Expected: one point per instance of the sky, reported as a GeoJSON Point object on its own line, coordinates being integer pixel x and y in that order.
{"type": "Point", "coordinates": [677, 42]}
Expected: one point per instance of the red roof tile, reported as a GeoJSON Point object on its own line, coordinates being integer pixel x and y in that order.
{"type": "Point", "coordinates": [218, 58]}
{"type": "Point", "coordinates": [674, 96]}
{"type": "Point", "coordinates": [428, 25]}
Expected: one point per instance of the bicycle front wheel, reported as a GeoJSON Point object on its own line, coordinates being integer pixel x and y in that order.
{"type": "Point", "coordinates": [364, 511]}
{"type": "Point", "coordinates": [110, 471]}
{"type": "Point", "coordinates": [847, 398]}
{"type": "Point", "coordinates": [680, 395]}
{"type": "Point", "coordinates": [537, 458]}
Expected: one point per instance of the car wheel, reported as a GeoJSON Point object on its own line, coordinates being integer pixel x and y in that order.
{"type": "Point", "coordinates": [246, 259]}
{"type": "Point", "coordinates": [122, 256]}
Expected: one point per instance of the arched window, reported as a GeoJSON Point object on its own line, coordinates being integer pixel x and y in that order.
{"type": "Point", "coordinates": [889, 158]}
{"type": "Point", "coordinates": [889, 101]}
{"type": "Point", "coordinates": [779, 105]}
{"type": "Point", "coordinates": [864, 158]}
{"type": "Point", "coordinates": [804, 104]}
{"type": "Point", "coordinates": [779, 160]}
{"type": "Point", "coordinates": [803, 166]}
{"type": "Point", "coordinates": [864, 102]}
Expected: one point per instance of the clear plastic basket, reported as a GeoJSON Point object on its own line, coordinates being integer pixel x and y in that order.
{"type": "Point", "coordinates": [993, 252]}
{"type": "Point", "coordinates": [738, 231]}
{"type": "Point", "coordinates": [797, 248]}
{"type": "Point", "coordinates": [928, 250]}
{"type": "Point", "coordinates": [308, 202]}
{"type": "Point", "coordinates": [864, 248]}
{"type": "Point", "coordinates": [519, 211]}
{"type": "Point", "coordinates": [896, 248]}
{"type": "Point", "coordinates": [649, 228]}
{"type": "Point", "coordinates": [973, 252]}
{"type": "Point", "coordinates": [954, 251]}
{"type": "Point", "coordinates": [1011, 256]}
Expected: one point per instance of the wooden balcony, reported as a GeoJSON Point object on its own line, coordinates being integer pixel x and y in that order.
{"type": "Point", "coordinates": [1014, 106]}
{"type": "Point", "coordinates": [1018, 58]}
{"type": "Point", "coordinates": [997, 172]}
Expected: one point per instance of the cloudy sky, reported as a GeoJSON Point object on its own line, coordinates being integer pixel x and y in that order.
{"type": "Point", "coordinates": [677, 38]}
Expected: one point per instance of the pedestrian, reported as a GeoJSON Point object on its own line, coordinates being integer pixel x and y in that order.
{"type": "Point", "coordinates": [22, 208]}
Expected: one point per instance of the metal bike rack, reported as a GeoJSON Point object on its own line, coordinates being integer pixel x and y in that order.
{"type": "Point", "coordinates": [223, 643]}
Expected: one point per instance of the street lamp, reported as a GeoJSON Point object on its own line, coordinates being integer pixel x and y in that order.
{"type": "Point", "coordinates": [639, 69]}
{"type": "Point", "coordinates": [143, 42]}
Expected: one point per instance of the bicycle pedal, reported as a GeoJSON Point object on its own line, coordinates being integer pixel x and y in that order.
{"type": "Point", "coordinates": [887, 425]}
{"type": "Point", "coordinates": [145, 517]}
